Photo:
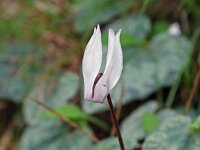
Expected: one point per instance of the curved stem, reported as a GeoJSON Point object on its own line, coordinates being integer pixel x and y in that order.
{"type": "Point", "coordinates": [115, 122]}
{"type": "Point", "coordinates": [66, 120]}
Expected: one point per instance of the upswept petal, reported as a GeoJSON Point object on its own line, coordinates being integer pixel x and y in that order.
{"type": "Point", "coordinates": [113, 68]}
{"type": "Point", "coordinates": [91, 62]}
{"type": "Point", "coordinates": [111, 37]}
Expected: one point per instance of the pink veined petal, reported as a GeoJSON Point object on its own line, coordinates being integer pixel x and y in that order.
{"type": "Point", "coordinates": [91, 62]}
{"type": "Point", "coordinates": [113, 69]}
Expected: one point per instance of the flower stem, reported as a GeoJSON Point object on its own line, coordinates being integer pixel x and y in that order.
{"type": "Point", "coordinates": [194, 87]}
{"type": "Point", "coordinates": [115, 122]}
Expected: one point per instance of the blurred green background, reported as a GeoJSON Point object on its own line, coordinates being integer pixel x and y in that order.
{"type": "Point", "coordinates": [156, 100]}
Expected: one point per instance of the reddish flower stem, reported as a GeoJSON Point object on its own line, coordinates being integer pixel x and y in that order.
{"type": "Point", "coordinates": [195, 85]}
{"type": "Point", "coordinates": [115, 122]}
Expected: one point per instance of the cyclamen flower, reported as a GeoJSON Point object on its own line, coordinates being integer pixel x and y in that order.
{"type": "Point", "coordinates": [97, 90]}
{"type": "Point", "coordinates": [174, 29]}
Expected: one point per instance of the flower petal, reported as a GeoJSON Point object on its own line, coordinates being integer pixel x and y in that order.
{"type": "Point", "coordinates": [111, 37]}
{"type": "Point", "coordinates": [91, 62]}
{"type": "Point", "coordinates": [113, 68]}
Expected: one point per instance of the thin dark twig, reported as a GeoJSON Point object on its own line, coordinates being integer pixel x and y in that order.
{"type": "Point", "coordinates": [7, 135]}
{"type": "Point", "coordinates": [195, 84]}
{"type": "Point", "coordinates": [66, 120]}
{"type": "Point", "coordinates": [115, 122]}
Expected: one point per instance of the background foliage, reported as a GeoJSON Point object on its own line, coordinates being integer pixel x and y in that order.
{"type": "Point", "coordinates": [41, 47]}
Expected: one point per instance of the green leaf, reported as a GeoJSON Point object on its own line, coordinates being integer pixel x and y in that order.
{"type": "Point", "coordinates": [16, 73]}
{"type": "Point", "coordinates": [173, 133]}
{"type": "Point", "coordinates": [160, 26]}
{"type": "Point", "coordinates": [53, 135]}
{"type": "Point", "coordinates": [71, 112]}
{"type": "Point", "coordinates": [126, 40]}
{"type": "Point", "coordinates": [135, 28]}
{"type": "Point", "coordinates": [149, 122]}
{"type": "Point", "coordinates": [132, 126]}
{"type": "Point", "coordinates": [66, 89]}
{"type": "Point", "coordinates": [89, 13]}
{"type": "Point", "coordinates": [76, 115]}
{"type": "Point", "coordinates": [135, 25]}
{"type": "Point", "coordinates": [113, 144]}
{"type": "Point", "coordinates": [195, 126]}
{"type": "Point", "coordinates": [165, 114]}
{"type": "Point", "coordinates": [57, 91]}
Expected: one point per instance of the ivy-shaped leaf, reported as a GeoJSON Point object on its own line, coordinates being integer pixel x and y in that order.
{"type": "Point", "coordinates": [53, 135]}
{"type": "Point", "coordinates": [17, 69]}
{"type": "Point", "coordinates": [89, 13]}
{"type": "Point", "coordinates": [133, 125]}
{"type": "Point", "coordinates": [174, 134]}
{"type": "Point", "coordinates": [113, 144]}
{"type": "Point", "coordinates": [56, 92]}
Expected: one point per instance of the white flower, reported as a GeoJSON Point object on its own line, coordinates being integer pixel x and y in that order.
{"type": "Point", "coordinates": [91, 64]}
{"type": "Point", "coordinates": [174, 29]}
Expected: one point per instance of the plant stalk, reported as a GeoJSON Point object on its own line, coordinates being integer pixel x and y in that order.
{"type": "Point", "coordinates": [115, 122]}
{"type": "Point", "coordinates": [194, 87]}
{"type": "Point", "coordinates": [66, 120]}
